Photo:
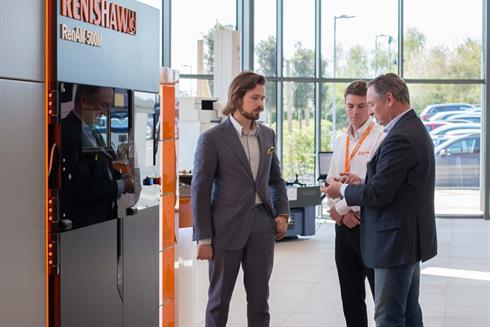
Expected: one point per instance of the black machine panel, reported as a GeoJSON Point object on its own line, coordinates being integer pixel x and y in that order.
{"type": "Point", "coordinates": [88, 270]}
{"type": "Point", "coordinates": [108, 231]}
{"type": "Point", "coordinates": [97, 163]}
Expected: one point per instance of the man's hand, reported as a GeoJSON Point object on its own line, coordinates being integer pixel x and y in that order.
{"type": "Point", "coordinates": [323, 189]}
{"type": "Point", "coordinates": [349, 178]}
{"type": "Point", "coordinates": [352, 219]}
{"type": "Point", "coordinates": [129, 183]}
{"type": "Point", "coordinates": [335, 216]}
{"type": "Point", "coordinates": [333, 190]}
{"type": "Point", "coordinates": [281, 226]}
{"type": "Point", "coordinates": [204, 252]}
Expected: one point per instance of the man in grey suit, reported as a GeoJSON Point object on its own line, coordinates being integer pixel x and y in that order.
{"type": "Point", "coordinates": [398, 227]}
{"type": "Point", "coordinates": [239, 203]}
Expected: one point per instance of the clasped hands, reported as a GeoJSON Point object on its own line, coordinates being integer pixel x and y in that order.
{"type": "Point", "coordinates": [351, 219]}
{"type": "Point", "coordinates": [332, 187]}
{"type": "Point", "coordinates": [332, 190]}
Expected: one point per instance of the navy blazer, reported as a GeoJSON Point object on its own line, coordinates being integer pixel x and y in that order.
{"type": "Point", "coordinates": [223, 188]}
{"type": "Point", "coordinates": [397, 216]}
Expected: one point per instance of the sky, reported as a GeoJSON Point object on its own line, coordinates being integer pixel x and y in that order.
{"type": "Point", "coordinates": [444, 22]}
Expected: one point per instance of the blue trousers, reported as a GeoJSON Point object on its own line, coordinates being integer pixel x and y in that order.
{"type": "Point", "coordinates": [397, 296]}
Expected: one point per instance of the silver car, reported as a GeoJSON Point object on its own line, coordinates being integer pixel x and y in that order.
{"type": "Point", "coordinates": [458, 162]}
{"type": "Point", "coordinates": [439, 132]}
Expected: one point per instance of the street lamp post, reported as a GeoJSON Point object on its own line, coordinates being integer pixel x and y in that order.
{"type": "Point", "coordinates": [390, 39]}
{"type": "Point", "coordinates": [334, 102]}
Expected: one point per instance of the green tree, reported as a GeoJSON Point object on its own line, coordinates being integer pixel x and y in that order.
{"type": "Point", "coordinates": [414, 44]}
{"type": "Point", "coordinates": [357, 63]}
{"type": "Point", "coordinates": [459, 62]}
{"type": "Point", "coordinates": [303, 64]}
{"type": "Point", "coordinates": [266, 59]}
{"type": "Point", "coordinates": [298, 154]}
{"type": "Point", "coordinates": [209, 46]}
{"type": "Point", "coordinates": [266, 56]}
{"type": "Point", "coordinates": [465, 60]}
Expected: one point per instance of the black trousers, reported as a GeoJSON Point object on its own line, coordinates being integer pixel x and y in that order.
{"type": "Point", "coordinates": [352, 274]}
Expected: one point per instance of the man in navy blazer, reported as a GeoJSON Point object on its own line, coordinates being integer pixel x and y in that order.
{"type": "Point", "coordinates": [239, 203]}
{"type": "Point", "coordinates": [397, 199]}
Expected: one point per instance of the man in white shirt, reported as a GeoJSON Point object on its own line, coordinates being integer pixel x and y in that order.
{"type": "Point", "coordinates": [353, 150]}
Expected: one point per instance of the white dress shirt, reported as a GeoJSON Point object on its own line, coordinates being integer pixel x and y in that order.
{"type": "Point", "coordinates": [395, 120]}
{"type": "Point", "coordinates": [251, 146]}
{"type": "Point", "coordinates": [358, 162]}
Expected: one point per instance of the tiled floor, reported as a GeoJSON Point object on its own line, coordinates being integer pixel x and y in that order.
{"type": "Point", "coordinates": [455, 286]}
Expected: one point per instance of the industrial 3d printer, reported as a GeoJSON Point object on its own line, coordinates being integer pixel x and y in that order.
{"type": "Point", "coordinates": [104, 183]}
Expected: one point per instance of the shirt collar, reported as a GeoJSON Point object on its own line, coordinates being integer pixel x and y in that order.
{"type": "Point", "coordinates": [361, 130]}
{"type": "Point", "coordinates": [395, 120]}
{"type": "Point", "coordinates": [239, 128]}
{"type": "Point", "coordinates": [85, 126]}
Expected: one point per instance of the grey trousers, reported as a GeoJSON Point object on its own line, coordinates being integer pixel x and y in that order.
{"type": "Point", "coordinates": [257, 259]}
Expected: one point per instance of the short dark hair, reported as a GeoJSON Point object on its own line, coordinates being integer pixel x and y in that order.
{"type": "Point", "coordinates": [88, 91]}
{"type": "Point", "coordinates": [241, 84]}
{"type": "Point", "coordinates": [391, 83]}
{"type": "Point", "coordinates": [356, 88]}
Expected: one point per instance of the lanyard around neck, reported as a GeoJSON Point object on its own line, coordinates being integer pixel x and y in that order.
{"type": "Point", "coordinates": [348, 158]}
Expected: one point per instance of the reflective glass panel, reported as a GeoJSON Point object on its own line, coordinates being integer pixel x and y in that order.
{"type": "Point", "coordinates": [362, 35]}
{"type": "Point", "coordinates": [456, 141]}
{"type": "Point", "coordinates": [298, 132]}
{"type": "Point", "coordinates": [443, 39]}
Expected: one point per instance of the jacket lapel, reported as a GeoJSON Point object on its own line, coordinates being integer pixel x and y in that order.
{"type": "Point", "coordinates": [236, 146]}
{"type": "Point", "coordinates": [261, 140]}
{"type": "Point", "coordinates": [409, 115]}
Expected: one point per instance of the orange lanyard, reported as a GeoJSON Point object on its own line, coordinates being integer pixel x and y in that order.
{"type": "Point", "coordinates": [348, 158]}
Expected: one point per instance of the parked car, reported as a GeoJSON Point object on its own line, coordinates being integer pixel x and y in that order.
{"type": "Point", "coordinates": [451, 127]}
{"type": "Point", "coordinates": [454, 133]}
{"type": "Point", "coordinates": [470, 117]}
{"type": "Point", "coordinates": [441, 131]}
{"type": "Point", "coordinates": [432, 125]}
{"type": "Point", "coordinates": [458, 162]}
{"type": "Point", "coordinates": [458, 121]}
{"type": "Point", "coordinates": [432, 109]}
{"type": "Point", "coordinates": [475, 109]}
{"type": "Point", "coordinates": [445, 115]}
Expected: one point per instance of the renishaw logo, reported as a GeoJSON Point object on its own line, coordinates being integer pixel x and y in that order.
{"type": "Point", "coordinates": [101, 13]}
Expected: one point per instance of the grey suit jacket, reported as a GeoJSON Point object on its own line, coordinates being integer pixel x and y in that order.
{"type": "Point", "coordinates": [223, 188]}
{"type": "Point", "coordinates": [398, 222]}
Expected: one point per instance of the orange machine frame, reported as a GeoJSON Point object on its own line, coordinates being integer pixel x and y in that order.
{"type": "Point", "coordinates": [168, 201]}
{"type": "Point", "coordinates": [52, 137]}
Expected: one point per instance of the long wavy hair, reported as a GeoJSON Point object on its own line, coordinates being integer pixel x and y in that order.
{"type": "Point", "coordinates": [241, 84]}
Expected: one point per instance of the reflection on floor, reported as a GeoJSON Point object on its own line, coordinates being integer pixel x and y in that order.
{"type": "Point", "coordinates": [455, 286]}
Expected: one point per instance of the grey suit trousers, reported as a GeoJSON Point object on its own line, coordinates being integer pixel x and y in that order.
{"type": "Point", "coordinates": [256, 258]}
